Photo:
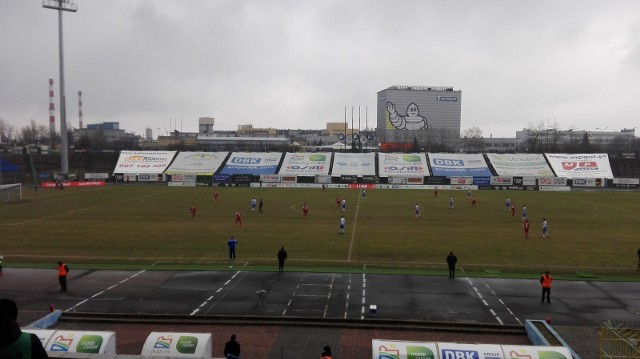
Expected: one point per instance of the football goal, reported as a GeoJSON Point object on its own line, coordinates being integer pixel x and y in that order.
{"type": "Point", "coordinates": [10, 192]}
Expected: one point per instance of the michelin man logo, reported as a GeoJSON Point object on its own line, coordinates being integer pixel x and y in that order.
{"type": "Point", "coordinates": [412, 121]}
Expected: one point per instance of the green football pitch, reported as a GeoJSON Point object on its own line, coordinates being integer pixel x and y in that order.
{"type": "Point", "coordinates": [591, 232]}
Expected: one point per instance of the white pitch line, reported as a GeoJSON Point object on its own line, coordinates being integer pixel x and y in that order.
{"type": "Point", "coordinates": [353, 231]}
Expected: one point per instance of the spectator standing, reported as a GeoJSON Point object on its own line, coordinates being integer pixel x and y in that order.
{"type": "Point", "coordinates": [232, 348]}
{"type": "Point", "coordinates": [13, 342]}
{"type": "Point", "coordinates": [232, 247]}
{"type": "Point", "coordinates": [326, 352]}
{"type": "Point", "coordinates": [282, 256]}
{"type": "Point", "coordinates": [451, 261]}
{"type": "Point", "coordinates": [545, 281]}
{"type": "Point", "coordinates": [63, 270]}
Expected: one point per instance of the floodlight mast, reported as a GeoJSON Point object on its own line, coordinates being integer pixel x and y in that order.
{"type": "Point", "coordinates": [62, 5]}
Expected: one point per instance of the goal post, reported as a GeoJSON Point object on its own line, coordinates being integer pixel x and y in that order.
{"type": "Point", "coordinates": [11, 192]}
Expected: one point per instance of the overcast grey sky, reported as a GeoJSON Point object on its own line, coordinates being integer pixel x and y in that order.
{"type": "Point", "coordinates": [297, 63]}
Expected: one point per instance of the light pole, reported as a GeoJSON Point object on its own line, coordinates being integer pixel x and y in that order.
{"type": "Point", "coordinates": [62, 5]}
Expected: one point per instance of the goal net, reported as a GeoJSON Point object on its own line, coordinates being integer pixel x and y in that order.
{"type": "Point", "coordinates": [10, 192]}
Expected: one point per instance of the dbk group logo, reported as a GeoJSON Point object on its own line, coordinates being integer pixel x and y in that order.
{"type": "Point", "coordinates": [453, 163]}
{"type": "Point", "coordinates": [245, 160]}
{"type": "Point", "coordinates": [580, 166]}
{"type": "Point", "coordinates": [459, 354]}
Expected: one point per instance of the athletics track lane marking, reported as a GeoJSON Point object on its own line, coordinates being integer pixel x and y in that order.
{"type": "Point", "coordinates": [102, 291]}
{"type": "Point", "coordinates": [218, 290]}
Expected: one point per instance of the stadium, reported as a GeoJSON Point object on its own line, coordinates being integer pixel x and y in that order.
{"type": "Point", "coordinates": [138, 256]}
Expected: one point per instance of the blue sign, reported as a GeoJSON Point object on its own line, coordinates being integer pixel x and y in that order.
{"type": "Point", "coordinates": [221, 178]}
{"type": "Point", "coordinates": [477, 180]}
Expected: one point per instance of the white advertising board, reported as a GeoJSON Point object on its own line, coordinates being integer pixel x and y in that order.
{"type": "Point", "coordinates": [306, 164]}
{"type": "Point", "coordinates": [400, 349]}
{"type": "Point", "coordinates": [353, 164]}
{"type": "Point", "coordinates": [517, 165]}
{"type": "Point", "coordinates": [594, 165]}
{"type": "Point", "coordinates": [183, 345]}
{"type": "Point", "coordinates": [402, 164]}
{"type": "Point", "coordinates": [552, 181]}
{"type": "Point", "coordinates": [143, 161]}
{"type": "Point", "coordinates": [82, 342]}
{"type": "Point", "coordinates": [96, 176]}
{"type": "Point", "coordinates": [535, 352]}
{"type": "Point", "coordinates": [627, 181]}
{"type": "Point", "coordinates": [396, 349]}
{"type": "Point", "coordinates": [196, 163]}
{"type": "Point", "coordinates": [269, 178]}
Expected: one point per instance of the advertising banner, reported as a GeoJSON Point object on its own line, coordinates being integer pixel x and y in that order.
{"type": "Point", "coordinates": [589, 182]}
{"type": "Point", "coordinates": [197, 163]}
{"type": "Point", "coordinates": [482, 180]}
{"type": "Point", "coordinates": [255, 163]}
{"type": "Point", "coordinates": [552, 181]}
{"type": "Point", "coordinates": [306, 164]}
{"type": "Point", "coordinates": [405, 180]}
{"type": "Point", "coordinates": [402, 164]}
{"type": "Point", "coordinates": [626, 181]}
{"type": "Point", "coordinates": [355, 164]}
{"type": "Point", "coordinates": [143, 161]}
{"type": "Point", "coordinates": [395, 349]}
{"type": "Point", "coordinates": [501, 181]}
{"type": "Point", "coordinates": [185, 345]}
{"type": "Point", "coordinates": [324, 179]}
{"type": "Point", "coordinates": [535, 352]}
{"type": "Point", "coordinates": [524, 164]}
{"type": "Point", "coordinates": [270, 178]}
{"type": "Point", "coordinates": [218, 178]}
{"type": "Point", "coordinates": [74, 184]}
{"type": "Point", "coordinates": [96, 176]}
{"type": "Point", "coordinates": [580, 165]}
{"type": "Point", "coordinates": [179, 177]}
{"type": "Point", "coordinates": [461, 180]}
{"type": "Point", "coordinates": [458, 164]}
{"type": "Point", "coordinates": [82, 342]}
{"type": "Point", "coordinates": [288, 179]}
{"type": "Point", "coordinates": [400, 349]}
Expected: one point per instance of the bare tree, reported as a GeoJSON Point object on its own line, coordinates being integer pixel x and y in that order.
{"type": "Point", "coordinates": [7, 132]}
{"type": "Point", "coordinates": [472, 140]}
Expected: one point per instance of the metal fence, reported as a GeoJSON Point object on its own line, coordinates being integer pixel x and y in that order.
{"type": "Point", "coordinates": [620, 339]}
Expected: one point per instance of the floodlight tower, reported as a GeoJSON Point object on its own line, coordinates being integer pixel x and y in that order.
{"type": "Point", "coordinates": [62, 5]}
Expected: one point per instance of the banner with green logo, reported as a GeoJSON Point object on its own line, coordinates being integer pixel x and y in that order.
{"type": "Point", "coordinates": [193, 345]}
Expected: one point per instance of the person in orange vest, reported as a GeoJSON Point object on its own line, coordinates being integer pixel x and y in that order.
{"type": "Point", "coordinates": [545, 281]}
{"type": "Point", "coordinates": [326, 353]}
{"type": "Point", "coordinates": [63, 270]}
